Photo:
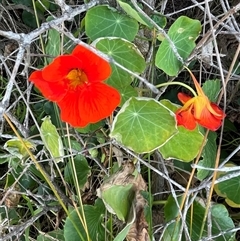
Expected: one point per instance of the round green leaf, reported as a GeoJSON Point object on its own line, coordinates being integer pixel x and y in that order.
{"type": "Point", "coordinates": [183, 146]}
{"type": "Point", "coordinates": [143, 124]}
{"type": "Point", "coordinates": [126, 54]}
{"type": "Point", "coordinates": [123, 52]}
{"type": "Point", "coordinates": [117, 77]}
{"type": "Point", "coordinates": [183, 34]}
{"type": "Point", "coordinates": [102, 21]}
{"type": "Point", "coordinates": [126, 93]}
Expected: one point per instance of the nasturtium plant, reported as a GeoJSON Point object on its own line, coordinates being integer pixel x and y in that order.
{"type": "Point", "coordinates": [198, 109]}
{"type": "Point", "coordinates": [103, 21]}
{"type": "Point", "coordinates": [143, 124]}
{"type": "Point", "coordinates": [74, 229]}
{"type": "Point", "coordinates": [109, 140]}
{"type": "Point", "coordinates": [227, 189]}
{"type": "Point", "coordinates": [126, 54]}
{"type": "Point", "coordinates": [80, 87]}
{"type": "Point", "coordinates": [185, 144]}
{"type": "Point", "coordinates": [123, 52]}
{"type": "Point", "coordinates": [183, 33]}
{"type": "Point", "coordinates": [221, 222]}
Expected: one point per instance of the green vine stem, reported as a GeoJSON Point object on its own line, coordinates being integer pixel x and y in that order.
{"type": "Point", "coordinates": [178, 83]}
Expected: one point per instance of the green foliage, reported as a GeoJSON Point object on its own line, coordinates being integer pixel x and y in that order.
{"type": "Point", "coordinates": [134, 14]}
{"type": "Point", "coordinates": [220, 217]}
{"type": "Point", "coordinates": [51, 139]}
{"type": "Point", "coordinates": [211, 88]}
{"type": "Point", "coordinates": [183, 33]}
{"type": "Point", "coordinates": [102, 21]}
{"type": "Point", "coordinates": [43, 6]}
{"type": "Point", "coordinates": [151, 125]}
{"type": "Point", "coordinates": [56, 234]}
{"type": "Point", "coordinates": [29, 19]}
{"type": "Point", "coordinates": [118, 200]}
{"type": "Point", "coordinates": [85, 158]}
{"type": "Point", "coordinates": [82, 170]}
{"type": "Point", "coordinates": [74, 230]}
{"type": "Point", "coordinates": [18, 147]}
{"type": "Point", "coordinates": [53, 43]}
{"type": "Point", "coordinates": [91, 127]}
{"type": "Point", "coordinates": [185, 144]}
{"type": "Point", "coordinates": [126, 54]}
{"type": "Point", "coordinates": [208, 156]}
{"type": "Point", "coordinates": [24, 2]}
{"type": "Point", "coordinates": [229, 188]}
{"type": "Point", "coordinates": [123, 52]}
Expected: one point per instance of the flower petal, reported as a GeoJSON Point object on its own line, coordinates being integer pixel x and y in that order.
{"type": "Point", "coordinates": [183, 97]}
{"type": "Point", "coordinates": [210, 121]}
{"type": "Point", "coordinates": [88, 105]}
{"type": "Point", "coordinates": [200, 103]}
{"type": "Point", "coordinates": [197, 85]}
{"type": "Point", "coordinates": [216, 111]}
{"type": "Point", "coordinates": [96, 68]}
{"type": "Point", "coordinates": [186, 119]}
{"type": "Point", "coordinates": [60, 67]}
{"type": "Point", "coordinates": [70, 112]}
{"type": "Point", "coordinates": [52, 91]}
{"type": "Point", "coordinates": [98, 101]}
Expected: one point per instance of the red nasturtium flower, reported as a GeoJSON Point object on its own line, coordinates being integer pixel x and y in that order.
{"type": "Point", "coordinates": [199, 110]}
{"type": "Point", "coordinates": [75, 83]}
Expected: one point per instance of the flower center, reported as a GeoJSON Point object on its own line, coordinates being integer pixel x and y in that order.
{"type": "Point", "coordinates": [77, 78]}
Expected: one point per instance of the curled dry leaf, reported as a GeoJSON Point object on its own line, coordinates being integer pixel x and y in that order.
{"type": "Point", "coordinates": [139, 229]}
{"type": "Point", "coordinates": [13, 197]}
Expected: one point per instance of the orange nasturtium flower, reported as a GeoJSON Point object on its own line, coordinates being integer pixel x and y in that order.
{"type": "Point", "coordinates": [75, 83]}
{"type": "Point", "coordinates": [198, 109]}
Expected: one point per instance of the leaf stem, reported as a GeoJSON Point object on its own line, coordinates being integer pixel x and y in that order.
{"type": "Point", "coordinates": [178, 83]}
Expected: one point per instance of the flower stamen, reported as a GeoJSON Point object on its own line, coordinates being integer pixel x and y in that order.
{"type": "Point", "coordinates": [77, 77]}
